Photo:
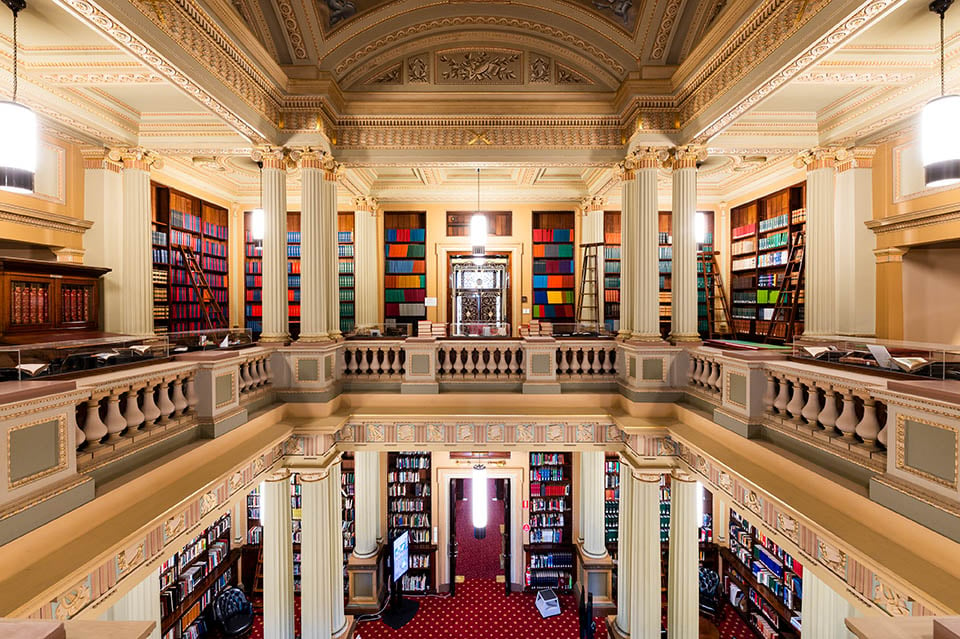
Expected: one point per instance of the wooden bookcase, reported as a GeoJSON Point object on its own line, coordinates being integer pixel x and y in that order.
{"type": "Point", "coordinates": [611, 506]}
{"type": "Point", "coordinates": [347, 521]}
{"type": "Point", "coordinates": [611, 270]}
{"type": "Point", "coordinates": [178, 220]}
{"type": "Point", "coordinates": [405, 268]}
{"type": "Point", "coordinates": [554, 295]}
{"type": "Point", "coordinates": [770, 579]}
{"type": "Point", "coordinates": [253, 276]}
{"type": "Point", "coordinates": [551, 554]}
{"type": "Point", "coordinates": [704, 295]}
{"type": "Point", "coordinates": [409, 504]}
{"type": "Point", "coordinates": [191, 579]}
{"type": "Point", "coordinates": [761, 235]}
{"type": "Point", "coordinates": [345, 270]}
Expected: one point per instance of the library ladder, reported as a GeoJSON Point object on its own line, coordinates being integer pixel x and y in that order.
{"type": "Point", "coordinates": [718, 319]}
{"type": "Point", "coordinates": [589, 287]}
{"type": "Point", "coordinates": [257, 588]}
{"type": "Point", "coordinates": [787, 307]}
{"type": "Point", "coordinates": [209, 306]}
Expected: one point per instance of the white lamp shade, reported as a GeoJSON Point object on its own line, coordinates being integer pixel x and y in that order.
{"type": "Point", "coordinates": [256, 224]}
{"type": "Point", "coordinates": [18, 147]}
{"type": "Point", "coordinates": [940, 141]}
{"type": "Point", "coordinates": [700, 227]}
{"type": "Point", "coordinates": [478, 497]}
{"type": "Point", "coordinates": [478, 232]}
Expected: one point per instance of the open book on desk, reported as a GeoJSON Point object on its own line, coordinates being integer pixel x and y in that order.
{"type": "Point", "coordinates": [32, 370]}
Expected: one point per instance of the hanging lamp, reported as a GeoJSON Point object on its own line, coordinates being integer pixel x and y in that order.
{"type": "Point", "coordinates": [478, 501]}
{"type": "Point", "coordinates": [478, 226]}
{"type": "Point", "coordinates": [18, 129]}
{"type": "Point", "coordinates": [257, 222]}
{"type": "Point", "coordinates": [940, 125]}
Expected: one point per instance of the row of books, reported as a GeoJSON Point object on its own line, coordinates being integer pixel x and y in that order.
{"type": "Point", "coordinates": [394, 251]}
{"type": "Point", "coordinates": [552, 235]}
{"type": "Point", "coordinates": [552, 560]}
{"type": "Point", "coordinates": [611, 267]}
{"type": "Point", "coordinates": [293, 294]}
{"type": "Point", "coordinates": [405, 310]}
{"type": "Point", "coordinates": [75, 301]}
{"type": "Point", "coordinates": [410, 488]}
{"type": "Point", "coordinates": [405, 281]}
{"type": "Point", "coordinates": [611, 252]}
{"type": "Point", "coordinates": [217, 249]}
{"type": "Point", "coordinates": [549, 579]}
{"type": "Point", "coordinates": [611, 238]}
{"type": "Point", "coordinates": [405, 235]}
{"type": "Point", "coordinates": [158, 238]}
{"type": "Point", "coordinates": [553, 267]}
{"type": "Point", "coordinates": [179, 238]}
{"type": "Point", "coordinates": [30, 303]}
{"type": "Point", "coordinates": [611, 282]}
{"type": "Point", "coordinates": [219, 231]}
{"type": "Point", "coordinates": [345, 236]}
{"type": "Point", "coordinates": [549, 490]}
{"type": "Point", "coordinates": [405, 295]}
{"type": "Point", "coordinates": [408, 506]}
{"type": "Point", "coordinates": [553, 250]}
{"type": "Point", "coordinates": [776, 258]}
{"type": "Point", "coordinates": [216, 264]}
{"type": "Point", "coordinates": [405, 266]}
{"type": "Point", "coordinates": [293, 267]}
{"type": "Point", "coordinates": [161, 256]}
{"type": "Point", "coordinates": [548, 505]}
{"type": "Point", "coordinates": [774, 223]}
{"type": "Point", "coordinates": [293, 250]}
{"type": "Point", "coordinates": [742, 247]}
{"type": "Point", "coordinates": [774, 241]}
{"type": "Point", "coordinates": [553, 312]}
{"type": "Point", "coordinates": [346, 281]}
{"type": "Point", "coordinates": [346, 294]}
{"type": "Point", "coordinates": [745, 230]}
{"type": "Point", "coordinates": [547, 520]}
{"type": "Point", "coordinates": [664, 238]}
{"type": "Point", "coordinates": [554, 297]}
{"type": "Point", "coordinates": [253, 250]}
{"type": "Point", "coordinates": [345, 266]}
{"type": "Point", "coordinates": [553, 281]}
{"type": "Point", "coordinates": [744, 264]}
{"type": "Point", "coordinates": [186, 221]}
{"type": "Point", "coordinates": [666, 252]}
{"type": "Point", "coordinates": [345, 250]}
{"type": "Point", "coordinates": [409, 521]}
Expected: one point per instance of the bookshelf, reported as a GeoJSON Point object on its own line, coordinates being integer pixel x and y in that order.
{"type": "Point", "coordinates": [550, 552]}
{"type": "Point", "coordinates": [255, 528]}
{"type": "Point", "coordinates": [409, 510]}
{"type": "Point", "coordinates": [191, 579]}
{"type": "Point", "coordinates": [348, 518]}
{"type": "Point", "coordinates": [178, 220]}
{"type": "Point", "coordinates": [665, 267]}
{"type": "Point", "coordinates": [770, 580]}
{"type": "Point", "coordinates": [611, 270]}
{"type": "Point", "coordinates": [405, 268]}
{"type": "Point", "coordinates": [253, 275]}
{"type": "Point", "coordinates": [611, 505]}
{"type": "Point", "coordinates": [761, 232]}
{"type": "Point", "coordinates": [345, 270]}
{"type": "Point", "coordinates": [553, 266]}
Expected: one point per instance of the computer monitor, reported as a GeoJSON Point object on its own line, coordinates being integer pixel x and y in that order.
{"type": "Point", "coordinates": [401, 556]}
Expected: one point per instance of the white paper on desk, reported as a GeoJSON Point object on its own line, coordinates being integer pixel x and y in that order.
{"type": "Point", "coordinates": [881, 354]}
{"type": "Point", "coordinates": [106, 355]}
{"type": "Point", "coordinates": [226, 341]}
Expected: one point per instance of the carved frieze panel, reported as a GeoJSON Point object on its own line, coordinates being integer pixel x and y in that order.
{"type": "Point", "coordinates": [479, 66]}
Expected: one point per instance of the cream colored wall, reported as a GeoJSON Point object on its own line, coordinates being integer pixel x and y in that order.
{"type": "Point", "coordinates": [519, 244]}
{"type": "Point", "coordinates": [931, 295]}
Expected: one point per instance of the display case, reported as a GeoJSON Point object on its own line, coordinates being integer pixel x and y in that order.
{"type": "Point", "coordinates": [906, 360]}
{"type": "Point", "coordinates": [211, 339]}
{"type": "Point", "coordinates": [42, 299]}
{"type": "Point", "coordinates": [70, 358]}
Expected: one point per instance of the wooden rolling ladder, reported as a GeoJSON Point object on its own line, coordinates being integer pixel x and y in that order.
{"type": "Point", "coordinates": [718, 318]}
{"type": "Point", "coordinates": [209, 306]}
{"type": "Point", "coordinates": [787, 308]}
{"type": "Point", "coordinates": [589, 299]}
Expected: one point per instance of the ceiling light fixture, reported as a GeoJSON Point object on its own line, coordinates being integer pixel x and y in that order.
{"type": "Point", "coordinates": [478, 501]}
{"type": "Point", "coordinates": [478, 226]}
{"type": "Point", "coordinates": [940, 125]}
{"type": "Point", "coordinates": [18, 129]}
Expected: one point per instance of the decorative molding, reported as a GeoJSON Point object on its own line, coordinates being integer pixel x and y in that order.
{"type": "Point", "coordinates": [665, 29]}
{"type": "Point", "coordinates": [393, 75]}
{"type": "Point", "coordinates": [292, 27]}
{"type": "Point", "coordinates": [61, 464]}
{"type": "Point", "coordinates": [566, 75]}
{"type": "Point", "coordinates": [101, 78]}
{"type": "Point", "coordinates": [901, 451]}
{"type": "Point", "coordinates": [41, 219]}
{"type": "Point", "coordinates": [539, 69]}
{"type": "Point", "coordinates": [418, 69]}
{"type": "Point", "coordinates": [484, 66]}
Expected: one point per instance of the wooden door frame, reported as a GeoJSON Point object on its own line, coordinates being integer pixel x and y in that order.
{"type": "Point", "coordinates": [509, 292]}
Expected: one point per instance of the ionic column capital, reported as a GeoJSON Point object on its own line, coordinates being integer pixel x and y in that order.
{"type": "Point", "coordinates": [687, 156]}
{"type": "Point", "coordinates": [860, 157]}
{"type": "Point", "coordinates": [645, 477]}
{"type": "Point", "coordinates": [591, 204]}
{"type": "Point", "coordinates": [681, 475]}
{"type": "Point", "coordinates": [136, 158]}
{"type": "Point", "coordinates": [99, 158]}
{"type": "Point", "coordinates": [280, 475]}
{"type": "Point", "coordinates": [820, 158]}
{"type": "Point", "coordinates": [273, 157]}
{"type": "Point", "coordinates": [313, 477]}
{"type": "Point", "coordinates": [366, 204]}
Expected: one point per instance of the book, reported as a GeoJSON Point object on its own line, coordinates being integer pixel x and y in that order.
{"type": "Point", "coordinates": [106, 356]}
{"type": "Point", "coordinates": [817, 351]}
{"type": "Point", "coordinates": [141, 349]}
{"type": "Point", "coordinates": [910, 364]}
{"type": "Point", "coordinates": [32, 369]}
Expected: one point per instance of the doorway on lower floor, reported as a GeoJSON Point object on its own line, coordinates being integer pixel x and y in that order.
{"type": "Point", "coordinates": [478, 555]}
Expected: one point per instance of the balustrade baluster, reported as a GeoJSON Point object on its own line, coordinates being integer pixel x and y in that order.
{"type": "Point", "coordinates": [713, 381]}
{"type": "Point", "coordinates": [692, 369]}
{"type": "Point", "coordinates": [255, 373]}
{"type": "Point", "coordinates": [244, 377]}
{"type": "Point", "coordinates": [847, 422]}
{"type": "Point", "coordinates": [388, 357]}
{"type": "Point", "coordinates": [192, 399]}
{"type": "Point", "coordinates": [131, 411]}
{"type": "Point", "coordinates": [882, 435]}
{"type": "Point", "coordinates": [114, 421]}
{"type": "Point", "coordinates": [770, 394]}
{"type": "Point", "coordinates": [93, 427]}
{"type": "Point", "coordinates": [164, 404]}
{"type": "Point", "coordinates": [151, 412]}
{"type": "Point", "coordinates": [811, 410]}
{"type": "Point", "coordinates": [869, 426]}
{"type": "Point", "coordinates": [179, 400]}
{"type": "Point", "coordinates": [783, 396]}
{"type": "Point", "coordinates": [828, 416]}
{"type": "Point", "coordinates": [795, 406]}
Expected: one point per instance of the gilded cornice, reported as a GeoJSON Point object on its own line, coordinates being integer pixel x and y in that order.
{"type": "Point", "coordinates": [40, 219]}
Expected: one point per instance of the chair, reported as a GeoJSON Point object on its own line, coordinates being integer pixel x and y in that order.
{"type": "Point", "coordinates": [710, 597]}
{"type": "Point", "coordinates": [233, 612]}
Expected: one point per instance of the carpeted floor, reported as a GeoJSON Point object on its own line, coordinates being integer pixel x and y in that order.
{"type": "Point", "coordinates": [481, 610]}
{"type": "Point", "coordinates": [732, 626]}
{"type": "Point", "coordinates": [479, 558]}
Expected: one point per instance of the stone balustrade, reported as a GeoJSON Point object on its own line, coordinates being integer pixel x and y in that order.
{"type": "Point", "coordinates": [587, 360]}
{"type": "Point", "coordinates": [704, 372]}
{"type": "Point", "coordinates": [372, 360]}
{"type": "Point", "coordinates": [459, 360]}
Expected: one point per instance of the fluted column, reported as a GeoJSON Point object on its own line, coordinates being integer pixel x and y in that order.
{"type": "Point", "coordinates": [276, 318]}
{"type": "Point", "coordinates": [103, 205]}
{"type": "Point", "coordinates": [338, 621]}
{"type": "Point", "coordinates": [625, 543]}
{"type": "Point", "coordinates": [646, 313]}
{"type": "Point", "coordinates": [366, 475]}
{"type": "Point", "coordinates": [857, 288]}
{"type": "Point", "coordinates": [365, 251]}
{"type": "Point", "coordinates": [645, 556]}
{"type": "Point", "coordinates": [328, 215]}
{"type": "Point", "coordinates": [683, 576]}
{"type": "Point", "coordinates": [683, 323]}
{"type": "Point", "coordinates": [316, 560]}
{"type": "Point", "coordinates": [277, 557]}
{"type": "Point", "coordinates": [137, 259]}
{"type": "Point", "coordinates": [820, 297]}
{"type": "Point", "coordinates": [629, 246]}
{"type": "Point", "coordinates": [313, 251]}
{"type": "Point", "coordinates": [823, 610]}
{"type": "Point", "coordinates": [591, 487]}
{"type": "Point", "coordinates": [141, 603]}
{"type": "Point", "coordinates": [591, 232]}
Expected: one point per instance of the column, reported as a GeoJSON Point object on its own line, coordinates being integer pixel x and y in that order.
{"type": "Point", "coordinates": [629, 245]}
{"type": "Point", "coordinates": [103, 205]}
{"type": "Point", "coordinates": [591, 232]}
{"type": "Point", "coordinates": [277, 556]}
{"type": "Point", "coordinates": [273, 185]}
{"type": "Point", "coordinates": [820, 277]}
{"type": "Point", "coordinates": [328, 216]}
{"type": "Point", "coordinates": [366, 253]}
{"type": "Point", "coordinates": [823, 609]}
{"type": "Point", "coordinates": [141, 603]}
{"type": "Point", "coordinates": [338, 622]}
{"type": "Point", "coordinates": [592, 518]}
{"type": "Point", "coordinates": [683, 323]}
{"type": "Point", "coordinates": [683, 576]}
{"type": "Point", "coordinates": [857, 289]}
{"type": "Point", "coordinates": [625, 542]}
{"type": "Point", "coordinates": [313, 254]}
{"type": "Point", "coordinates": [137, 259]}
{"type": "Point", "coordinates": [645, 556]}
{"type": "Point", "coordinates": [646, 314]}
{"type": "Point", "coordinates": [367, 479]}
{"type": "Point", "coordinates": [890, 291]}
{"type": "Point", "coordinates": [316, 560]}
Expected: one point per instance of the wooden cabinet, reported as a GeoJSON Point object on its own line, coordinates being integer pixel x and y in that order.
{"type": "Point", "coordinates": [48, 300]}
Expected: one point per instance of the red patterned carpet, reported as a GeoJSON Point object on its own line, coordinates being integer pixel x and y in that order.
{"type": "Point", "coordinates": [479, 558]}
{"type": "Point", "coordinates": [732, 626]}
{"type": "Point", "coordinates": [481, 610]}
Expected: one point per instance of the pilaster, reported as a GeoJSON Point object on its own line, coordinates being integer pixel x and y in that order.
{"type": "Point", "coordinates": [137, 262]}
{"type": "Point", "coordinates": [683, 325]}
{"type": "Point", "coordinates": [273, 184]}
{"type": "Point", "coordinates": [820, 295]}
{"type": "Point", "coordinates": [646, 304]}
{"type": "Point", "coordinates": [141, 603]}
{"type": "Point", "coordinates": [889, 307]}
{"type": "Point", "coordinates": [366, 251]}
{"type": "Point", "coordinates": [313, 257]}
{"type": "Point", "coordinates": [683, 580]}
{"type": "Point", "coordinates": [103, 205]}
{"type": "Point", "coordinates": [629, 245]}
{"type": "Point", "coordinates": [857, 288]}
{"type": "Point", "coordinates": [316, 562]}
{"type": "Point", "coordinates": [330, 282]}
{"type": "Point", "coordinates": [645, 556]}
{"type": "Point", "coordinates": [823, 610]}
{"type": "Point", "coordinates": [277, 557]}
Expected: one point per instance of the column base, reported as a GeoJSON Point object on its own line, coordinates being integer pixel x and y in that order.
{"type": "Point", "coordinates": [595, 574]}
{"type": "Point", "coordinates": [348, 628]}
{"type": "Point", "coordinates": [613, 631]}
{"type": "Point", "coordinates": [367, 581]}
{"type": "Point", "coordinates": [685, 338]}
{"type": "Point", "coordinates": [279, 338]}
{"type": "Point", "coordinates": [647, 338]}
{"type": "Point", "coordinates": [317, 338]}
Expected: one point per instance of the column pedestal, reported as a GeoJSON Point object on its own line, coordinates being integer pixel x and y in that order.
{"type": "Point", "coordinates": [595, 575]}
{"type": "Point", "coordinates": [367, 587]}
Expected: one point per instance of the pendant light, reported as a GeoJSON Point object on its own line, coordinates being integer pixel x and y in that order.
{"type": "Point", "coordinates": [940, 125]}
{"type": "Point", "coordinates": [478, 226]}
{"type": "Point", "coordinates": [18, 129]}
{"type": "Point", "coordinates": [478, 501]}
{"type": "Point", "coordinates": [257, 222]}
